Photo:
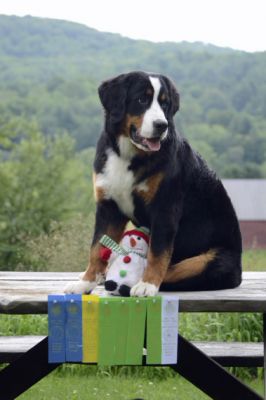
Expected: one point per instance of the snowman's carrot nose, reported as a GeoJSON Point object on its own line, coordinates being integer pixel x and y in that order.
{"type": "Point", "coordinates": [132, 242]}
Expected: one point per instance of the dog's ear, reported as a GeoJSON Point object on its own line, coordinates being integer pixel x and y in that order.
{"type": "Point", "coordinates": [113, 95]}
{"type": "Point", "coordinates": [175, 98]}
{"type": "Point", "coordinates": [174, 95]}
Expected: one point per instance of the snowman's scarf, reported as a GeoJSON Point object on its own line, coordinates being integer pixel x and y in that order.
{"type": "Point", "coordinates": [111, 244]}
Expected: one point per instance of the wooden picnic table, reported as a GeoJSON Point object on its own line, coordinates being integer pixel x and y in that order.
{"type": "Point", "coordinates": [26, 293]}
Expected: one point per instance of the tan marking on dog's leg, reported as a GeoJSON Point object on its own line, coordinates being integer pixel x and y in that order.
{"type": "Point", "coordinates": [96, 264]}
{"type": "Point", "coordinates": [189, 267]}
{"type": "Point", "coordinates": [99, 193]}
{"type": "Point", "coordinates": [156, 268]}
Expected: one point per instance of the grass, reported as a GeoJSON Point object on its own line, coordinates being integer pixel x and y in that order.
{"type": "Point", "coordinates": [107, 388]}
{"type": "Point", "coordinates": [254, 260]}
{"type": "Point", "coordinates": [68, 387]}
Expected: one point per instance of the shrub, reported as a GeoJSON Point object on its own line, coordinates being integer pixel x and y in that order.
{"type": "Point", "coordinates": [42, 180]}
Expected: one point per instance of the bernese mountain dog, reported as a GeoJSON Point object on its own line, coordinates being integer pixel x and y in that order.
{"type": "Point", "coordinates": [147, 173]}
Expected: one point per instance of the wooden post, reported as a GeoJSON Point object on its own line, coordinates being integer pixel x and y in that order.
{"type": "Point", "coordinates": [264, 353]}
{"type": "Point", "coordinates": [24, 372]}
{"type": "Point", "coordinates": [209, 376]}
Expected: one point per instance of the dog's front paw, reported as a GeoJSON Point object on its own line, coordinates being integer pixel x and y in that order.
{"type": "Point", "coordinates": [144, 289]}
{"type": "Point", "coordinates": [80, 287]}
{"type": "Point", "coordinates": [81, 275]}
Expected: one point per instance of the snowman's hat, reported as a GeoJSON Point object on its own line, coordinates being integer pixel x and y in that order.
{"type": "Point", "coordinates": [141, 232]}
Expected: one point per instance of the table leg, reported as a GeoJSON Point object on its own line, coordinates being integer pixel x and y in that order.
{"type": "Point", "coordinates": [208, 375]}
{"type": "Point", "coordinates": [24, 372]}
{"type": "Point", "coordinates": [264, 353]}
{"type": "Point", "coordinates": [192, 364]}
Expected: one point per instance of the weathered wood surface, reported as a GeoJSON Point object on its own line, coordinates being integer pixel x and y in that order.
{"type": "Point", "coordinates": [231, 353]}
{"type": "Point", "coordinates": [234, 354]}
{"type": "Point", "coordinates": [26, 293]}
{"type": "Point", "coordinates": [11, 347]}
{"type": "Point", "coordinates": [231, 349]}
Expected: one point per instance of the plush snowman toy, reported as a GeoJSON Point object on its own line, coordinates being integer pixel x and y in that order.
{"type": "Point", "coordinates": [126, 262]}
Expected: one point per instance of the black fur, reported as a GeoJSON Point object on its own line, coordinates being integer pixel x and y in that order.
{"type": "Point", "coordinates": [124, 291]}
{"type": "Point", "coordinates": [191, 212]}
{"type": "Point", "coordinates": [110, 285]}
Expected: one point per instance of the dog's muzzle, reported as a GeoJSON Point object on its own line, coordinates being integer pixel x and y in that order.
{"type": "Point", "coordinates": [159, 127]}
{"type": "Point", "coordinates": [154, 142]}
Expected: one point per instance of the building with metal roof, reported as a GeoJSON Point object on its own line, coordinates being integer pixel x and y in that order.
{"type": "Point", "coordinates": [249, 199]}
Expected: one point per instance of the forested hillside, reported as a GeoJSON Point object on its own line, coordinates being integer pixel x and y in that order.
{"type": "Point", "coordinates": [50, 116]}
{"type": "Point", "coordinates": [50, 70]}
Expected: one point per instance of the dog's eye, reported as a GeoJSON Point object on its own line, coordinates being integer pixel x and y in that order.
{"type": "Point", "coordinates": [164, 105]}
{"type": "Point", "coordinates": [143, 100]}
{"type": "Point", "coordinates": [138, 238]}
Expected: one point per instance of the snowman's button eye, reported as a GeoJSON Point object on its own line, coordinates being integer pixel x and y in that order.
{"type": "Point", "coordinates": [138, 238]}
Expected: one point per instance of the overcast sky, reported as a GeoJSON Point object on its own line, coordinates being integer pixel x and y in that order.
{"type": "Point", "coordinates": [240, 24]}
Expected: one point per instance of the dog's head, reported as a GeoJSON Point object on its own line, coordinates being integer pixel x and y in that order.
{"type": "Point", "coordinates": [140, 106]}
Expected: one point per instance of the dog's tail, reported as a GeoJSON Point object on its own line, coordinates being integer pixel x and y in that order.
{"type": "Point", "coordinates": [213, 270]}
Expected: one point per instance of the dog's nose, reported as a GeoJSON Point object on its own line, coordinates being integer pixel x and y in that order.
{"type": "Point", "coordinates": [160, 126]}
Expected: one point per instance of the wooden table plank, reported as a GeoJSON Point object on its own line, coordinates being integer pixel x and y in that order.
{"type": "Point", "coordinates": [37, 276]}
{"type": "Point", "coordinates": [229, 353]}
{"type": "Point", "coordinates": [66, 276]}
{"type": "Point", "coordinates": [21, 344]}
{"type": "Point", "coordinates": [26, 293]}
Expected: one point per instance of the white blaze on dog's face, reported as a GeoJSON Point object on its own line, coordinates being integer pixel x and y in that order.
{"type": "Point", "coordinates": [152, 126]}
{"type": "Point", "coordinates": [154, 116]}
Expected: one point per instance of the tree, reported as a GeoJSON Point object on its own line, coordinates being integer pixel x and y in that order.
{"type": "Point", "coordinates": [42, 181]}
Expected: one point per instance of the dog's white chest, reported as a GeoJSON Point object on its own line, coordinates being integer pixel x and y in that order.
{"type": "Point", "coordinates": [117, 182]}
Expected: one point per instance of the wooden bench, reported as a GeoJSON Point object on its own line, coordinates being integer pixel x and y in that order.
{"type": "Point", "coordinates": [230, 354]}
{"type": "Point", "coordinates": [26, 293]}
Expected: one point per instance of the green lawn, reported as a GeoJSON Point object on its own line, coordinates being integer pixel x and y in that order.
{"type": "Point", "coordinates": [254, 260]}
{"type": "Point", "coordinates": [70, 387]}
